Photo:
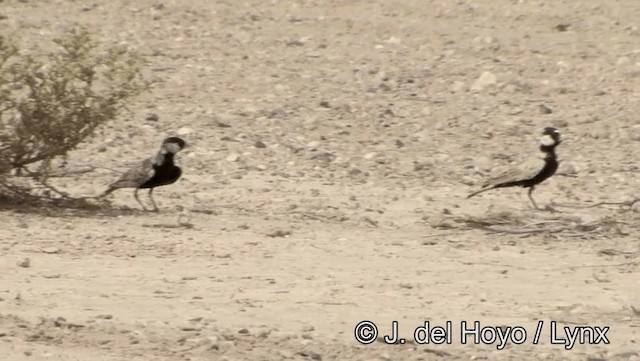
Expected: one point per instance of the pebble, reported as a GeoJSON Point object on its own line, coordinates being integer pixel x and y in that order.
{"type": "Point", "coordinates": [544, 109]}
{"type": "Point", "coordinates": [220, 124]}
{"type": "Point", "coordinates": [51, 250]}
{"type": "Point", "coordinates": [152, 117]}
{"type": "Point", "coordinates": [313, 145]}
{"type": "Point", "coordinates": [259, 144]}
{"type": "Point", "coordinates": [484, 81]}
{"type": "Point", "coordinates": [189, 328]}
{"type": "Point", "coordinates": [233, 157]}
{"type": "Point", "coordinates": [311, 355]}
{"type": "Point", "coordinates": [25, 263]}
{"type": "Point", "coordinates": [569, 168]}
{"type": "Point", "coordinates": [185, 131]}
{"type": "Point", "coordinates": [394, 40]}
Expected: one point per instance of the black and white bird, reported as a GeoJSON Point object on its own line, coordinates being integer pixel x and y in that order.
{"type": "Point", "coordinates": [532, 172]}
{"type": "Point", "coordinates": [152, 172]}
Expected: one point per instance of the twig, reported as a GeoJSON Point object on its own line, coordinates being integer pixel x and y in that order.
{"type": "Point", "coordinates": [628, 203]}
{"type": "Point", "coordinates": [602, 265]}
{"type": "Point", "coordinates": [63, 173]}
{"type": "Point", "coordinates": [525, 231]}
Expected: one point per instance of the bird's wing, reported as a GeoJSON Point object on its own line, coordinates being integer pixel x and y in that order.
{"type": "Point", "coordinates": [136, 175]}
{"type": "Point", "coordinates": [523, 171]}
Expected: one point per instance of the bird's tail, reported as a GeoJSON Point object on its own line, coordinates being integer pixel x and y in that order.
{"type": "Point", "coordinates": [478, 192]}
{"type": "Point", "coordinates": [107, 192]}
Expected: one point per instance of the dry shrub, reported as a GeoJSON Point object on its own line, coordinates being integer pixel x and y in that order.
{"type": "Point", "coordinates": [50, 103]}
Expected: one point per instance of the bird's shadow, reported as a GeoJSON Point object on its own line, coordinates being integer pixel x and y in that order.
{"type": "Point", "coordinates": [528, 223]}
{"type": "Point", "coordinates": [67, 207]}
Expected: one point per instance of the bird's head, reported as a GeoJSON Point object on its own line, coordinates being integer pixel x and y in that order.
{"type": "Point", "coordinates": [550, 137]}
{"type": "Point", "coordinates": [173, 145]}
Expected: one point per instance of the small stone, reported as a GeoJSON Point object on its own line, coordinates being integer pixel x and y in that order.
{"type": "Point", "coordinates": [418, 166]}
{"type": "Point", "coordinates": [213, 343]}
{"type": "Point", "coordinates": [324, 156]}
{"type": "Point", "coordinates": [311, 355]}
{"type": "Point", "coordinates": [544, 109]}
{"type": "Point", "coordinates": [51, 250]}
{"type": "Point", "coordinates": [485, 80]}
{"type": "Point", "coordinates": [278, 233]}
{"type": "Point", "coordinates": [25, 263]}
{"type": "Point", "coordinates": [221, 124]}
{"type": "Point", "coordinates": [568, 168]}
{"type": "Point", "coordinates": [234, 157]}
{"type": "Point", "coordinates": [276, 113]}
{"type": "Point", "coordinates": [370, 155]}
{"type": "Point", "coordinates": [394, 40]}
{"type": "Point", "coordinates": [325, 104]}
{"type": "Point", "coordinates": [259, 144]}
{"type": "Point", "coordinates": [185, 131]}
{"type": "Point", "coordinates": [313, 145]}
{"type": "Point", "coordinates": [243, 331]}
{"type": "Point", "coordinates": [152, 117]}
{"type": "Point", "coordinates": [399, 143]}
{"type": "Point", "coordinates": [562, 27]}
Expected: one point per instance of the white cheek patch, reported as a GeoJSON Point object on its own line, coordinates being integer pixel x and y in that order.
{"type": "Point", "coordinates": [173, 148]}
{"type": "Point", "coordinates": [547, 141]}
{"type": "Point", "coordinates": [151, 173]}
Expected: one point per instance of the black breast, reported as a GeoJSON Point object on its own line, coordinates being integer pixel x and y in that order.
{"type": "Point", "coordinates": [550, 167]}
{"type": "Point", "coordinates": [166, 173]}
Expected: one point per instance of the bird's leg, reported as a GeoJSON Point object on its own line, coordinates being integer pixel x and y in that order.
{"type": "Point", "coordinates": [531, 198]}
{"type": "Point", "coordinates": [155, 207]}
{"type": "Point", "coordinates": [135, 194]}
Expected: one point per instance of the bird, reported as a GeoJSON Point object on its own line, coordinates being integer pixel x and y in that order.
{"type": "Point", "coordinates": [152, 172]}
{"type": "Point", "coordinates": [532, 172]}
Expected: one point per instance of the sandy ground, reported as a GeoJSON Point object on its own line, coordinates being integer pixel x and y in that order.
{"type": "Point", "coordinates": [376, 121]}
